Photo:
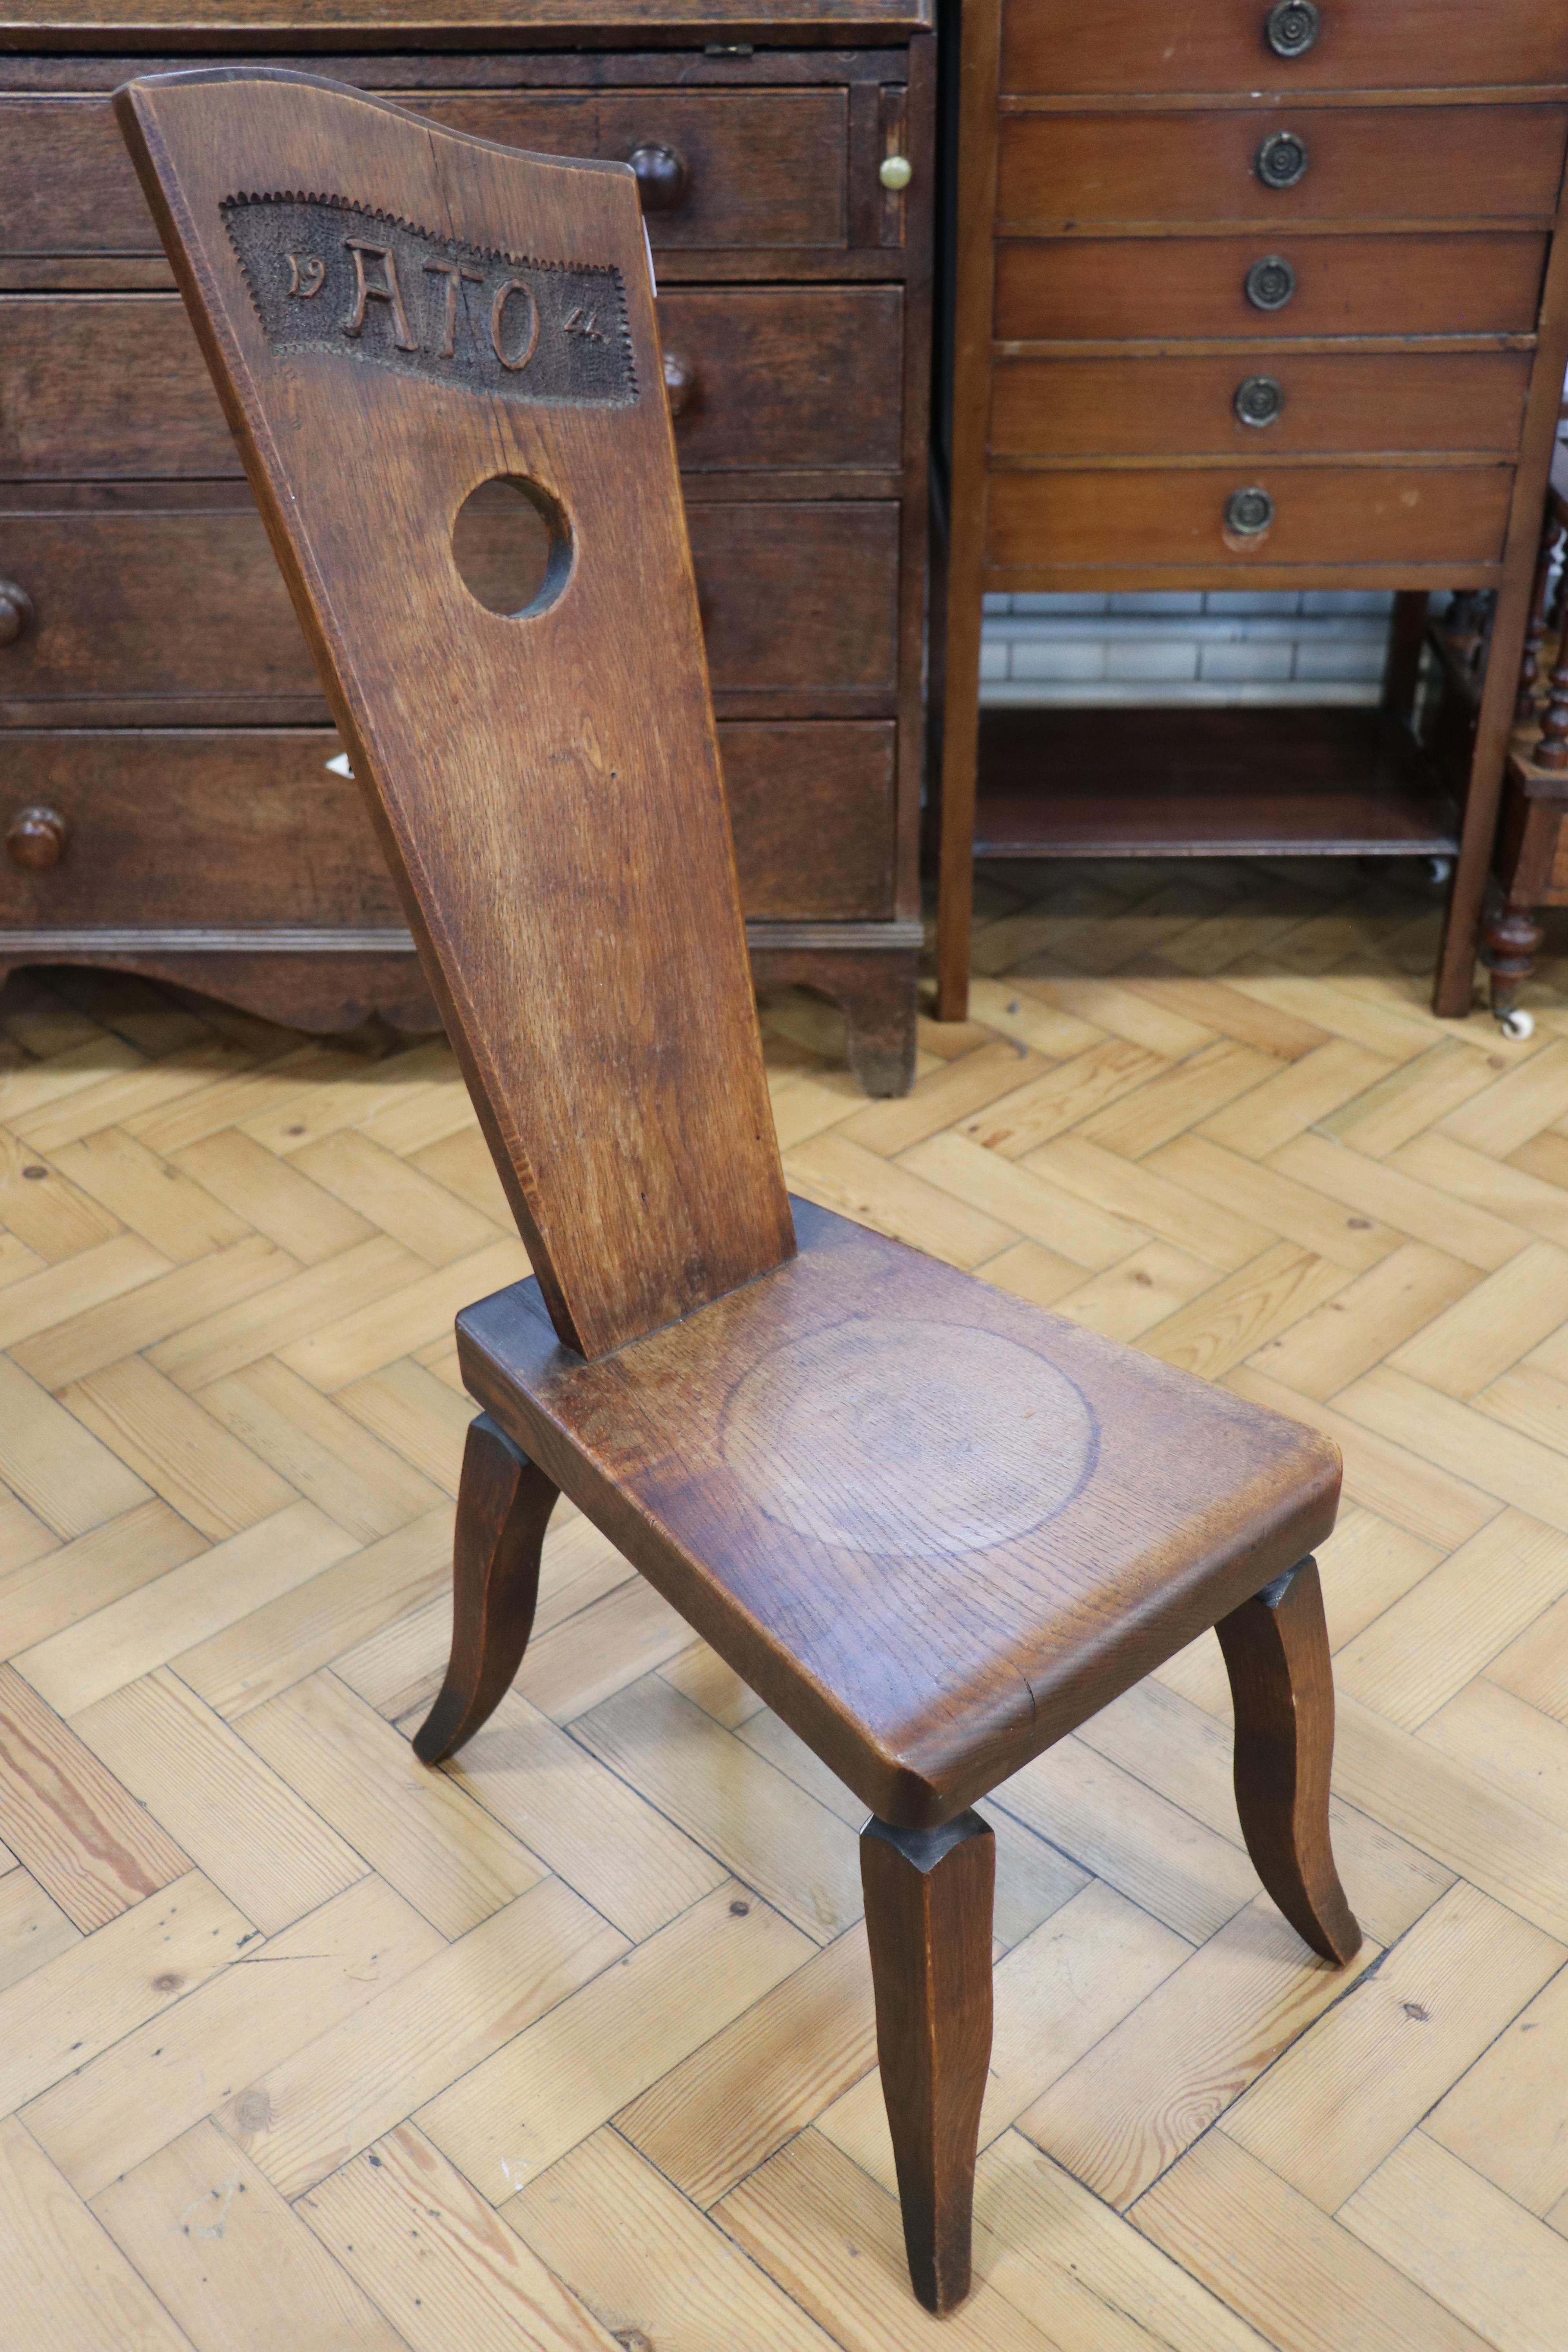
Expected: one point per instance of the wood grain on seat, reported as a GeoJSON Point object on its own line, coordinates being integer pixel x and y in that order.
{"type": "Point", "coordinates": [933, 1526]}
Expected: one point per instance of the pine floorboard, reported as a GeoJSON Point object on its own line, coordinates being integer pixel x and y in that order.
{"type": "Point", "coordinates": [571, 2046]}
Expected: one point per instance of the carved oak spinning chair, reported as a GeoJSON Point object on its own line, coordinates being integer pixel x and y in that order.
{"type": "Point", "coordinates": [932, 1526]}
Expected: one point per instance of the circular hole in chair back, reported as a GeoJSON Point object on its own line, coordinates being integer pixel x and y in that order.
{"type": "Point", "coordinates": [512, 546]}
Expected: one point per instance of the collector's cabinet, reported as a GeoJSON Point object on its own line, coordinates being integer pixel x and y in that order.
{"type": "Point", "coordinates": [172, 800]}
{"type": "Point", "coordinates": [1251, 295]}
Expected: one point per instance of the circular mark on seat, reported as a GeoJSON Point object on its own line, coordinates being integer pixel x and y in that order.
{"type": "Point", "coordinates": [908, 1438]}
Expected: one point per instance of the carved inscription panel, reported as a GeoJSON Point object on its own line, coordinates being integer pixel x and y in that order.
{"type": "Point", "coordinates": [328, 275]}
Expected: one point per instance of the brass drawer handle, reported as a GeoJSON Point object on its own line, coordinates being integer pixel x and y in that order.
{"type": "Point", "coordinates": [1293, 28]}
{"type": "Point", "coordinates": [679, 382]}
{"type": "Point", "coordinates": [1270, 283]}
{"type": "Point", "coordinates": [16, 612]}
{"type": "Point", "coordinates": [1248, 513]}
{"type": "Point", "coordinates": [1281, 160]}
{"type": "Point", "coordinates": [662, 177]}
{"type": "Point", "coordinates": [36, 838]}
{"type": "Point", "coordinates": [1259, 399]}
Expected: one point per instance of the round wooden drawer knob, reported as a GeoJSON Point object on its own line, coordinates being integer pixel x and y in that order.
{"type": "Point", "coordinates": [895, 172]}
{"type": "Point", "coordinates": [16, 612]}
{"type": "Point", "coordinates": [679, 382]}
{"type": "Point", "coordinates": [36, 838]}
{"type": "Point", "coordinates": [661, 177]}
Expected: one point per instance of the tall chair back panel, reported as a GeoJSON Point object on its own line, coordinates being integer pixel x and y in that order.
{"type": "Point", "coordinates": [399, 316]}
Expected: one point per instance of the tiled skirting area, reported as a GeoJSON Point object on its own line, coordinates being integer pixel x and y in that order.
{"type": "Point", "coordinates": [1225, 647]}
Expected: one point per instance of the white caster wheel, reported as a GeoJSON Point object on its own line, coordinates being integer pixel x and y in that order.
{"type": "Point", "coordinates": [1517, 1024]}
{"type": "Point", "coordinates": [1439, 869]}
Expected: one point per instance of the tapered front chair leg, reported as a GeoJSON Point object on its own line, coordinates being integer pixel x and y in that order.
{"type": "Point", "coordinates": [1275, 1650]}
{"type": "Point", "coordinates": [928, 1919]}
{"type": "Point", "coordinates": [504, 1502]}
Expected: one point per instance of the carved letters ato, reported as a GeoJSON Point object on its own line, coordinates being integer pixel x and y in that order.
{"type": "Point", "coordinates": [328, 276]}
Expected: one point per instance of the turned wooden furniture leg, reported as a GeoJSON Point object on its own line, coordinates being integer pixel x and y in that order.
{"type": "Point", "coordinates": [504, 1502]}
{"type": "Point", "coordinates": [1552, 751]}
{"type": "Point", "coordinates": [1535, 636]}
{"type": "Point", "coordinates": [1511, 941]}
{"type": "Point", "coordinates": [927, 1919]}
{"type": "Point", "coordinates": [1277, 1653]}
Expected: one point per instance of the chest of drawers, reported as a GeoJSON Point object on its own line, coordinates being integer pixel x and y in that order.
{"type": "Point", "coordinates": [1252, 295]}
{"type": "Point", "coordinates": [156, 694]}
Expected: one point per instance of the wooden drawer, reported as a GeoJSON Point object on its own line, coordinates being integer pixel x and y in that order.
{"type": "Point", "coordinates": [766, 167]}
{"type": "Point", "coordinates": [1390, 163]}
{"type": "Point", "coordinates": [98, 386]}
{"type": "Point", "coordinates": [812, 807]}
{"type": "Point", "coordinates": [1323, 403]}
{"type": "Point", "coordinates": [1323, 515]}
{"type": "Point", "coordinates": [153, 604]}
{"type": "Point", "coordinates": [197, 827]}
{"type": "Point", "coordinates": [762, 167]}
{"type": "Point", "coordinates": [1072, 289]}
{"type": "Point", "coordinates": [137, 603]}
{"type": "Point", "coordinates": [210, 829]}
{"type": "Point", "coordinates": [798, 598]}
{"type": "Point", "coordinates": [787, 377]}
{"type": "Point", "coordinates": [1147, 45]}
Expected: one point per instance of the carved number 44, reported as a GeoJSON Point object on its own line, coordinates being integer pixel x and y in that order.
{"type": "Point", "coordinates": [577, 325]}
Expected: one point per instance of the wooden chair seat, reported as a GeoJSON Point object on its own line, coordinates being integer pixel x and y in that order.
{"type": "Point", "coordinates": [933, 1526]}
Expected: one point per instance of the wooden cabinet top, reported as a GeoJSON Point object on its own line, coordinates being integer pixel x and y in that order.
{"type": "Point", "coordinates": [211, 25]}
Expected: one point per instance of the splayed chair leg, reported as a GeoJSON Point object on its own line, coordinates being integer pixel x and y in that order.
{"type": "Point", "coordinates": [1275, 1650]}
{"type": "Point", "coordinates": [504, 1502]}
{"type": "Point", "coordinates": [928, 1919]}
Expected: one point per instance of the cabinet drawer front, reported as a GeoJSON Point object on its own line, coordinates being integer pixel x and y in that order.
{"type": "Point", "coordinates": [1322, 515]}
{"type": "Point", "coordinates": [1313, 403]}
{"type": "Point", "coordinates": [811, 809]}
{"type": "Point", "coordinates": [792, 376]}
{"type": "Point", "coordinates": [798, 598]}
{"type": "Point", "coordinates": [1072, 289]}
{"type": "Point", "coordinates": [1393, 163]}
{"type": "Point", "coordinates": [199, 827]}
{"type": "Point", "coordinates": [152, 606]}
{"type": "Point", "coordinates": [1146, 45]}
{"type": "Point", "coordinates": [168, 606]}
{"type": "Point", "coordinates": [762, 167]}
{"type": "Point", "coordinates": [209, 828]}
{"type": "Point", "coordinates": [102, 387]}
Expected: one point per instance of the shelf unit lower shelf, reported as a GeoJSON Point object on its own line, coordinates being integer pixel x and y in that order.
{"type": "Point", "coordinates": [1148, 781]}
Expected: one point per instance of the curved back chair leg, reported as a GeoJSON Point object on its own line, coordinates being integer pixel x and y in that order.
{"type": "Point", "coordinates": [928, 1919]}
{"type": "Point", "coordinates": [504, 1502]}
{"type": "Point", "coordinates": [1275, 1650]}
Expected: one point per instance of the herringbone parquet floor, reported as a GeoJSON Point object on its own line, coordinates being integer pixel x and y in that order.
{"type": "Point", "coordinates": [302, 2045]}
